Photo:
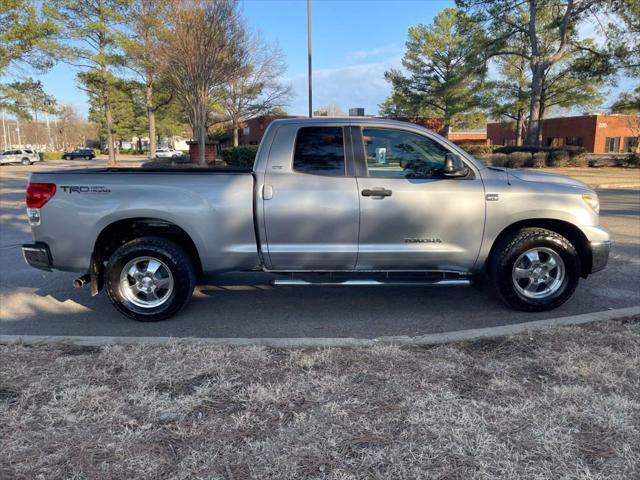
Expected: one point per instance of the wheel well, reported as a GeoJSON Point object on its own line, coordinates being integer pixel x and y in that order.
{"type": "Point", "coordinates": [566, 229]}
{"type": "Point", "coordinates": [118, 233]}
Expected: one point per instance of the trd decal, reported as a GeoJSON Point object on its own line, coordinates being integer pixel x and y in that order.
{"type": "Point", "coordinates": [85, 189]}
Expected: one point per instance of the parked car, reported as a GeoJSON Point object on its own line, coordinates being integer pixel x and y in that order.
{"type": "Point", "coordinates": [83, 153]}
{"type": "Point", "coordinates": [25, 156]}
{"type": "Point", "coordinates": [168, 152]}
{"type": "Point", "coordinates": [328, 202]}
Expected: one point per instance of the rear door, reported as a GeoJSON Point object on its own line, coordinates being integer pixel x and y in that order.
{"type": "Point", "coordinates": [411, 216]}
{"type": "Point", "coordinates": [310, 199]}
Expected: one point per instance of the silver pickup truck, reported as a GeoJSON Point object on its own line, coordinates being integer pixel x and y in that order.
{"type": "Point", "coordinates": [348, 201]}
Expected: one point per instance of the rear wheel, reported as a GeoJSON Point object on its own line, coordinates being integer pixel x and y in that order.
{"type": "Point", "coordinates": [26, 161]}
{"type": "Point", "coordinates": [534, 269]}
{"type": "Point", "coordinates": [67, 157]}
{"type": "Point", "coordinates": [149, 279]}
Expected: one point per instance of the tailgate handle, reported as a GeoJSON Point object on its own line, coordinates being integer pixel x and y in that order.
{"type": "Point", "coordinates": [376, 192]}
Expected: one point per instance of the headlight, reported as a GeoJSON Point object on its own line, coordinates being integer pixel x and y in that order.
{"type": "Point", "coordinates": [591, 199]}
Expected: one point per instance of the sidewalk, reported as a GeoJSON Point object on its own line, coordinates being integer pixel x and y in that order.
{"type": "Point", "coordinates": [605, 177]}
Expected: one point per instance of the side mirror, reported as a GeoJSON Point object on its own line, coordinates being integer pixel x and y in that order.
{"type": "Point", "coordinates": [454, 166]}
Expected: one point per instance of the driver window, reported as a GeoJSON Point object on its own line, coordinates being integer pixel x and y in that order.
{"type": "Point", "coordinates": [401, 154]}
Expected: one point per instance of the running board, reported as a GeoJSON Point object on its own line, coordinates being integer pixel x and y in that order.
{"type": "Point", "coordinates": [354, 283]}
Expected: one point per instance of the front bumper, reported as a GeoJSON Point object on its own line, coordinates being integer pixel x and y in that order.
{"type": "Point", "coordinates": [599, 255]}
{"type": "Point", "coordinates": [37, 255]}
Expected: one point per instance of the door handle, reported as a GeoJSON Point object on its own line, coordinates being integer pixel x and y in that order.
{"type": "Point", "coordinates": [267, 192]}
{"type": "Point", "coordinates": [376, 192]}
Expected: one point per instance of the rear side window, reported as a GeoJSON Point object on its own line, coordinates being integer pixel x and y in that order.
{"type": "Point", "coordinates": [320, 151]}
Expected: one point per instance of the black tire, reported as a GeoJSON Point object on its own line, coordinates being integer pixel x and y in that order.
{"type": "Point", "coordinates": [67, 157]}
{"type": "Point", "coordinates": [507, 252]}
{"type": "Point", "coordinates": [25, 161]}
{"type": "Point", "coordinates": [87, 158]}
{"type": "Point", "coordinates": [172, 256]}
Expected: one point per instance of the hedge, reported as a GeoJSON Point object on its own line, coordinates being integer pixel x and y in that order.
{"type": "Point", "coordinates": [242, 156]}
{"type": "Point", "coordinates": [475, 149]}
{"type": "Point", "coordinates": [570, 149]}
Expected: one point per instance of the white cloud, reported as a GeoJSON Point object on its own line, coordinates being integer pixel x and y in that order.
{"type": "Point", "coordinates": [375, 52]}
{"type": "Point", "coordinates": [361, 85]}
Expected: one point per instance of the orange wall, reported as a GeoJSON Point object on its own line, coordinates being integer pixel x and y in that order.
{"type": "Point", "coordinates": [592, 128]}
{"type": "Point", "coordinates": [615, 126]}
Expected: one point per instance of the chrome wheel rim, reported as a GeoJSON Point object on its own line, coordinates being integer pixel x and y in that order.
{"type": "Point", "coordinates": [146, 282]}
{"type": "Point", "coordinates": [538, 273]}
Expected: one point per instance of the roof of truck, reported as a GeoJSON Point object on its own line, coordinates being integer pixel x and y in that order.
{"type": "Point", "coordinates": [360, 120]}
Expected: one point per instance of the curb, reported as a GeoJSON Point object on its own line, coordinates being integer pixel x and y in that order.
{"type": "Point", "coordinates": [429, 339]}
{"type": "Point", "coordinates": [617, 185]}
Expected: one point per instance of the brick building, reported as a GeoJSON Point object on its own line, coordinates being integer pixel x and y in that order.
{"type": "Point", "coordinates": [596, 133]}
{"type": "Point", "coordinates": [253, 129]}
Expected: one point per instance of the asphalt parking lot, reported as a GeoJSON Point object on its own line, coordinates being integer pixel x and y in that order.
{"type": "Point", "coordinates": [244, 305]}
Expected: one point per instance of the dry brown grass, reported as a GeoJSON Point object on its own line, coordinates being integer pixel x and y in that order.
{"type": "Point", "coordinates": [557, 404]}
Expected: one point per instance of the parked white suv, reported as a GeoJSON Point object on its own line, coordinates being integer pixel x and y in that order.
{"type": "Point", "coordinates": [26, 156]}
{"type": "Point", "coordinates": [168, 153]}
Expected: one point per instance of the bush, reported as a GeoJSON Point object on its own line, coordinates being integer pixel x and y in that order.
{"type": "Point", "coordinates": [558, 158]}
{"type": "Point", "coordinates": [578, 160]}
{"type": "Point", "coordinates": [522, 148]}
{"type": "Point", "coordinates": [634, 160]}
{"type": "Point", "coordinates": [518, 159]}
{"type": "Point", "coordinates": [50, 155]}
{"type": "Point", "coordinates": [539, 160]}
{"type": "Point", "coordinates": [242, 156]}
{"type": "Point", "coordinates": [475, 149]}
{"type": "Point", "coordinates": [498, 159]}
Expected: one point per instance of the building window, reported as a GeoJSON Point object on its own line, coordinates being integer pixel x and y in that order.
{"type": "Point", "coordinates": [612, 144]}
{"type": "Point", "coordinates": [630, 144]}
{"type": "Point", "coordinates": [510, 142]}
{"type": "Point", "coordinates": [555, 141]}
{"type": "Point", "coordinates": [574, 141]}
{"type": "Point", "coordinates": [246, 131]}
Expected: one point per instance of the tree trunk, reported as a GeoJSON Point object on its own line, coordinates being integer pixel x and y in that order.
{"type": "Point", "coordinates": [151, 115]}
{"type": "Point", "coordinates": [4, 132]}
{"type": "Point", "coordinates": [107, 111]}
{"type": "Point", "coordinates": [46, 118]}
{"type": "Point", "coordinates": [236, 140]}
{"type": "Point", "coordinates": [519, 129]}
{"type": "Point", "coordinates": [35, 129]}
{"type": "Point", "coordinates": [18, 132]}
{"type": "Point", "coordinates": [533, 126]}
{"type": "Point", "coordinates": [203, 137]}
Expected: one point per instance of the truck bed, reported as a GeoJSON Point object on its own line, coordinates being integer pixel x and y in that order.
{"type": "Point", "coordinates": [214, 206]}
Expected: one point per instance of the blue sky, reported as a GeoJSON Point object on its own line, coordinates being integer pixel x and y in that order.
{"type": "Point", "coordinates": [354, 42]}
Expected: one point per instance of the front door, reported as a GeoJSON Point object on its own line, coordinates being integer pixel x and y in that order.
{"type": "Point", "coordinates": [411, 216]}
{"type": "Point", "coordinates": [310, 203]}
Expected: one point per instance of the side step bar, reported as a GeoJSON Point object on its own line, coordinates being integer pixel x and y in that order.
{"type": "Point", "coordinates": [352, 283]}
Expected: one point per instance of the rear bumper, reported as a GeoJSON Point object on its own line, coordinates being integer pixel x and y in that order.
{"type": "Point", "coordinates": [37, 255]}
{"type": "Point", "coordinates": [599, 255]}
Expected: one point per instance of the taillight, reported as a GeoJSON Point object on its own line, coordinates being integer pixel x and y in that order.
{"type": "Point", "coordinates": [39, 193]}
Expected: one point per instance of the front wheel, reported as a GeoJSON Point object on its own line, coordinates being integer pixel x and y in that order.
{"type": "Point", "coordinates": [149, 279]}
{"type": "Point", "coordinates": [534, 269]}
{"type": "Point", "coordinates": [68, 157]}
{"type": "Point", "coordinates": [26, 161]}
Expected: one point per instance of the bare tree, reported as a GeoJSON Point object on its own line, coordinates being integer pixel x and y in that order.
{"type": "Point", "coordinates": [331, 110]}
{"type": "Point", "coordinates": [202, 54]}
{"type": "Point", "coordinates": [257, 90]}
{"type": "Point", "coordinates": [71, 129]}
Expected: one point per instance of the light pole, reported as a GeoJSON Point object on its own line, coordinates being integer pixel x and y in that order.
{"type": "Point", "coordinates": [309, 55]}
